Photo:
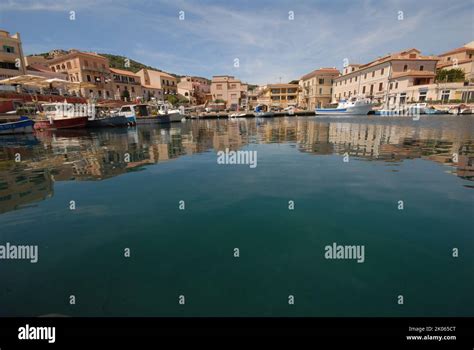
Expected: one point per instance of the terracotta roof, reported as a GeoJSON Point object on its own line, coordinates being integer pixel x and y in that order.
{"type": "Point", "coordinates": [415, 73]}
{"type": "Point", "coordinates": [155, 72]}
{"type": "Point", "coordinates": [321, 71]}
{"type": "Point", "coordinates": [74, 53]}
{"type": "Point", "coordinates": [123, 72]}
{"type": "Point", "coordinates": [39, 67]}
{"type": "Point", "coordinates": [459, 49]}
{"type": "Point", "coordinates": [282, 86]}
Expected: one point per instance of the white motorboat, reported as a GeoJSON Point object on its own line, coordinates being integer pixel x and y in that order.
{"type": "Point", "coordinates": [353, 106]}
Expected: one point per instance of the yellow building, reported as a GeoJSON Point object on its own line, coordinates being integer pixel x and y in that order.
{"type": "Point", "coordinates": [279, 95]}
{"type": "Point", "coordinates": [126, 85]}
{"type": "Point", "coordinates": [85, 67]}
{"type": "Point", "coordinates": [316, 88]}
{"type": "Point", "coordinates": [11, 55]}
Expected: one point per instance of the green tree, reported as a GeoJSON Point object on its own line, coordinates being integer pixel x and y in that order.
{"type": "Point", "coordinates": [450, 76]}
{"type": "Point", "coordinates": [125, 95]}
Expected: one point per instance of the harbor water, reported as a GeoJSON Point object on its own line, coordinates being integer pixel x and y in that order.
{"type": "Point", "coordinates": [144, 221]}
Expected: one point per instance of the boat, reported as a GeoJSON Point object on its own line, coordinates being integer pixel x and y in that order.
{"type": "Point", "coordinates": [103, 117]}
{"type": "Point", "coordinates": [260, 112]}
{"type": "Point", "coordinates": [173, 115]}
{"type": "Point", "coordinates": [460, 110]}
{"type": "Point", "coordinates": [355, 106]}
{"type": "Point", "coordinates": [432, 111]}
{"type": "Point", "coordinates": [60, 116]}
{"type": "Point", "coordinates": [22, 126]}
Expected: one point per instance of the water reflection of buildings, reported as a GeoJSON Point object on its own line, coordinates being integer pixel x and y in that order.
{"type": "Point", "coordinates": [85, 155]}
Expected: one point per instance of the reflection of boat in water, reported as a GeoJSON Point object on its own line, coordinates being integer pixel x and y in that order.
{"type": "Point", "coordinates": [354, 106]}
{"type": "Point", "coordinates": [144, 113]}
{"type": "Point", "coordinates": [24, 125]}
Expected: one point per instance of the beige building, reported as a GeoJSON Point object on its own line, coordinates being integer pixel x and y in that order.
{"type": "Point", "coordinates": [85, 67]}
{"type": "Point", "coordinates": [11, 55]}
{"type": "Point", "coordinates": [279, 95]}
{"type": "Point", "coordinates": [387, 77]}
{"type": "Point", "coordinates": [157, 84]}
{"type": "Point", "coordinates": [462, 57]}
{"type": "Point", "coordinates": [126, 85]}
{"type": "Point", "coordinates": [194, 89]}
{"type": "Point", "coordinates": [230, 90]}
{"type": "Point", "coordinates": [316, 88]}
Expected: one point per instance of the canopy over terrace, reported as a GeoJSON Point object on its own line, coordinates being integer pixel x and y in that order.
{"type": "Point", "coordinates": [27, 79]}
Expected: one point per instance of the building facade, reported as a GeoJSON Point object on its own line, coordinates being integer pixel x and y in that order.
{"type": "Point", "coordinates": [126, 85]}
{"type": "Point", "coordinates": [387, 78]}
{"type": "Point", "coordinates": [230, 90]}
{"type": "Point", "coordinates": [85, 67]}
{"type": "Point", "coordinates": [462, 57]}
{"type": "Point", "coordinates": [279, 95]}
{"type": "Point", "coordinates": [194, 89]}
{"type": "Point", "coordinates": [11, 55]}
{"type": "Point", "coordinates": [160, 84]}
{"type": "Point", "coordinates": [316, 88]}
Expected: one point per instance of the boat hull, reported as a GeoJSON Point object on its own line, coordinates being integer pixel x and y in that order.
{"type": "Point", "coordinates": [66, 123]}
{"type": "Point", "coordinates": [22, 126]}
{"type": "Point", "coordinates": [116, 121]}
{"type": "Point", "coordinates": [356, 110]}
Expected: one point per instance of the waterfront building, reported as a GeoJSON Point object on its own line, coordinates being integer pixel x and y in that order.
{"type": "Point", "coordinates": [11, 55]}
{"type": "Point", "coordinates": [126, 85]}
{"type": "Point", "coordinates": [85, 67]}
{"type": "Point", "coordinates": [462, 57]}
{"type": "Point", "coordinates": [194, 89]}
{"type": "Point", "coordinates": [388, 77]}
{"type": "Point", "coordinates": [157, 84]}
{"type": "Point", "coordinates": [278, 95]}
{"type": "Point", "coordinates": [230, 90]}
{"type": "Point", "coordinates": [316, 88]}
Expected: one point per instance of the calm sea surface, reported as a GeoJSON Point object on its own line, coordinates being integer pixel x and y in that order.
{"type": "Point", "coordinates": [190, 252]}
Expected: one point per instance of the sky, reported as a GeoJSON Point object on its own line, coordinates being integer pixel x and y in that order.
{"type": "Point", "coordinates": [273, 40]}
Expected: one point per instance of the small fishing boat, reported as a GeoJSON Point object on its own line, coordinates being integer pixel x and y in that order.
{"type": "Point", "coordinates": [60, 116]}
{"type": "Point", "coordinates": [260, 112]}
{"type": "Point", "coordinates": [460, 110]}
{"type": "Point", "coordinates": [22, 126]}
{"type": "Point", "coordinates": [103, 117]}
{"type": "Point", "coordinates": [432, 111]}
{"type": "Point", "coordinates": [355, 106]}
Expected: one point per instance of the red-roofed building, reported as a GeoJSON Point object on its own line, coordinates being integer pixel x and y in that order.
{"type": "Point", "coordinates": [316, 88]}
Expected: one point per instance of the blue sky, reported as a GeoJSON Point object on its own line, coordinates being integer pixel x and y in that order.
{"type": "Point", "coordinates": [260, 34]}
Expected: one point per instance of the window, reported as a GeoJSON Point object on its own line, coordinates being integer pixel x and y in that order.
{"type": "Point", "coordinates": [88, 78]}
{"type": "Point", "coordinates": [350, 80]}
{"type": "Point", "coordinates": [355, 78]}
{"type": "Point", "coordinates": [363, 89]}
{"type": "Point", "coordinates": [380, 86]}
{"type": "Point", "coordinates": [391, 85]}
{"type": "Point", "coordinates": [345, 82]}
{"type": "Point", "coordinates": [53, 69]}
{"type": "Point", "coordinates": [133, 89]}
{"type": "Point", "coordinates": [396, 85]}
{"type": "Point", "coordinates": [219, 86]}
{"type": "Point", "coordinates": [8, 65]}
{"type": "Point", "coordinates": [355, 92]}
{"type": "Point", "coordinates": [381, 72]}
{"type": "Point", "coordinates": [373, 74]}
{"type": "Point", "coordinates": [320, 91]}
{"type": "Point", "coordinates": [403, 97]}
{"type": "Point", "coordinates": [421, 68]}
{"type": "Point", "coordinates": [86, 63]}
{"type": "Point", "coordinates": [445, 95]}
{"type": "Point", "coordinates": [9, 49]}
{"type": "Point", "coordinates": [422, 96]}
{"type": "Point", "coordinates": [63, 66]}
{"type": "Point", "coordinates": [365, 76]}
{"type": "Point", "coordinates": [449, 58]}
{"type": "Point", "coordinates": [321, 81]}
{"type": "Point", "coordinates": [68, 65]}
{"type": "Point", "coordinates": [353, 68]}
{"type": "Point", "coordinates": [233, 86]}
{"type": "Point", "coordinates": [405, 68]}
